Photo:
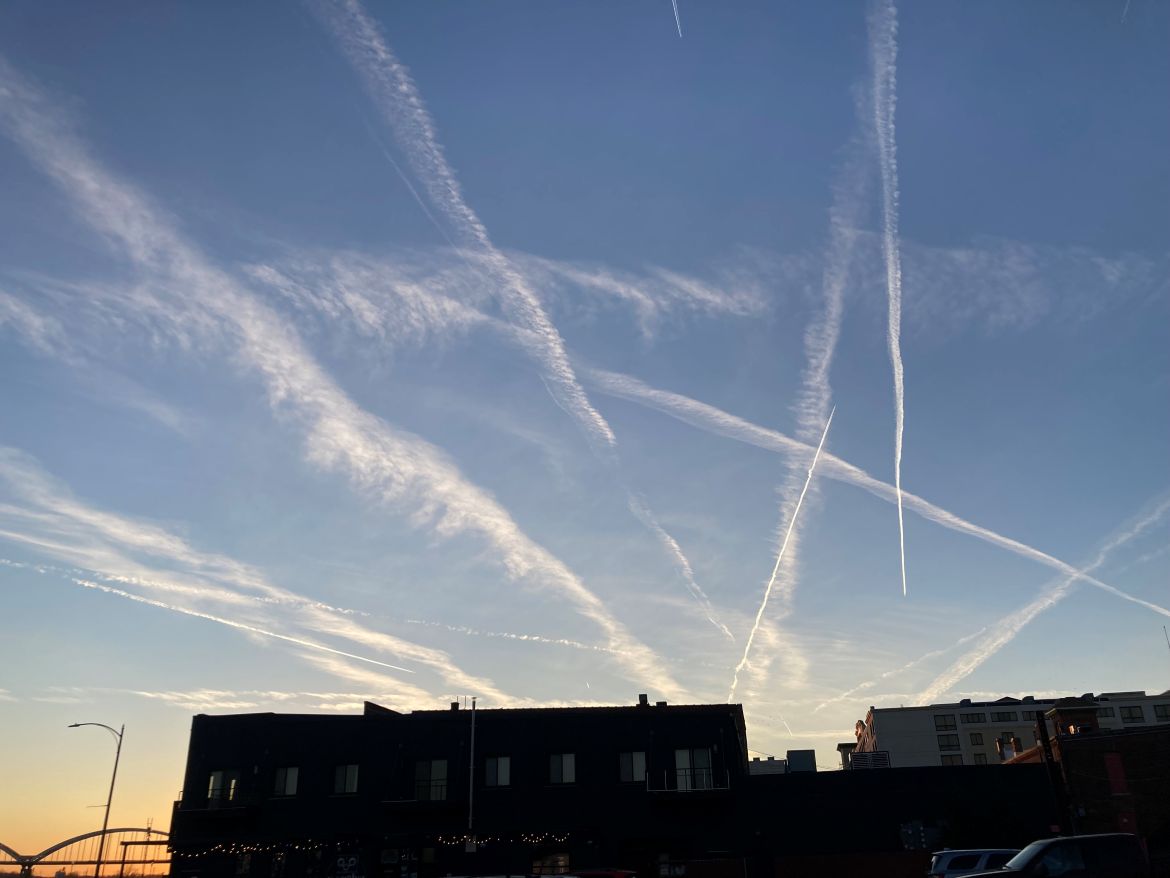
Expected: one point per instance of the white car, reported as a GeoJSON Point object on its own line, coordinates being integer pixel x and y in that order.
{"type": "Point", "coordinates": [945, 864]}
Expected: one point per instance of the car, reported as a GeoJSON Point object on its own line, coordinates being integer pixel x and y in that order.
{"type": "Point", "coordinates": [1108, 855]}
{"type": "Point", "coordinates": [948, 863]}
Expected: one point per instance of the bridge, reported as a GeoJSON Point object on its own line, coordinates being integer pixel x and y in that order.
{"type": "Point", "coordinates": [128, 851]}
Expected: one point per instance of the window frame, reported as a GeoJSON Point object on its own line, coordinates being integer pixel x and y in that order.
{"type": "Point", "coordinates": [1162, 711]}
{"type": "Point", "coordinates": [434, 785]}
{"type": "Point", "coordinates": [952, 743]}
{"type": "Point", "coordinates": [346, 777]}
{"type": "Point", "coordinates": [497, 771]}
{"type": "Point", "coordinates": [951, 759]}
{"type": "Point", "coordinates": [945, 722]}
{"type": "Point", "coordinates": [694, 776]}
{"type": "Point", "coordinates": [1005, 716]}
{"type": "Point", "coordinates": [628, 766]}
{"type": "Point", "coordinates": [976, 739]}
{"type": "Point", "coordinates": [971, 719]}
{"type": "Point", "coordinates": [562, 769]}
{"type": "Point", "coordinates": [285, 781]}
{"type": "Point", "coordinates": [1132, 713]}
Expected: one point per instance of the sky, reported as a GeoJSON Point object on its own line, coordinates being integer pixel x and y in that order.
{"type": "Point", "coordinates": [416, 352]}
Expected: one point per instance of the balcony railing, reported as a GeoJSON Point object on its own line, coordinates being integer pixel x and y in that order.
{"type": "Point", "coordinates": [689, 780]}
{"type": "Point", "coordinates": [430, 790]}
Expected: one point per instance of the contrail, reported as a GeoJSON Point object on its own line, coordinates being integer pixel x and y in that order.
{"type": "Point", "coordinates": [714, 420]}
{"type": "Point", "coordinates": [677, 23]}
{"type": "Point", "coordinates": [884, 41]}
{"type": "Point", "coordinates": [1005, 630]}
{"type": "Point", "coordinates": [779, 558]}
{"type": "Point", "coordinates": [395, 95]}
{"type": "Point", "coordinates": [396, 467]}
{"type": "Point", "coordinates": [108, 589]}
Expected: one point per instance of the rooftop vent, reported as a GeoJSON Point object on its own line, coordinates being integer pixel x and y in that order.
{"type": "Point", "coordinates": [643, 700]}
{"type": "Point", "coordinates": [454, 705]}
{"type": "Point", "coordinates": [660, 704]}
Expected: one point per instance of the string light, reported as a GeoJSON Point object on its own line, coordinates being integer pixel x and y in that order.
{"type": "Point", "coordinates": [242, 848]}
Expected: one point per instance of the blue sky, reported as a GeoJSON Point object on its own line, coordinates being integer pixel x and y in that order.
{"type": "Point", "coordinates": [424, 351]}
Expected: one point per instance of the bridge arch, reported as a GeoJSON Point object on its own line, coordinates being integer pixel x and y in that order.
{"type": "Point", "coordinates": [138, 846]}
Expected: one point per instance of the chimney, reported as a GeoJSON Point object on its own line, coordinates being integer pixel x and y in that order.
{"type": "Point", "coordinates": [660, 704]}
{"type": "Point", "coordinates": [643, 700]}
{"type": "Point", "coordinates": [454, 705]}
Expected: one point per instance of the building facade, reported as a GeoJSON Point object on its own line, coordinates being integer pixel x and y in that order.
{"type": "Point", "coordinates": [987, 732]}
{"type": "Point", "coordinates": [460, 792]}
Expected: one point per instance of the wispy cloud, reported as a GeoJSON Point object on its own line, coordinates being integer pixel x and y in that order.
{"type": "Point", "coordinates": [1006, 629]}
{"type": "Point", "coordinates": [397, 99]}
{"type": "Point", "coordinates": [883, 26]}
{"type": "Point", "coordinates": [395, 467]}
{"type": "Point", "coordinates": [714, 420]}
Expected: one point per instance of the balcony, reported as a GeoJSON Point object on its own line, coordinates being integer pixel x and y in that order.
{"type": "Point", "coordinates": [688, 780]}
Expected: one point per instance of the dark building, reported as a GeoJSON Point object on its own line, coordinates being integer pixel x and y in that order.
{"type": "Point", "coordinates": [658, 790]}
{"type": "Point", "coordinates": [459, 791]}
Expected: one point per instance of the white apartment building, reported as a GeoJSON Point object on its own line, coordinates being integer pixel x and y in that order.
{"type": "Point", "coordinates": [987, 732]}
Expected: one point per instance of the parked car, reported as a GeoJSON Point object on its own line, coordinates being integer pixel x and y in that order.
{"type": "Point", "coordinates": [948, 863]}
{"type": "Point", "coordinates": [1110, 855]}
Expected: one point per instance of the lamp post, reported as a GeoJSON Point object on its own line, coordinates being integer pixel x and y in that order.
{"type": "Point", "coordinates": [97, 871]}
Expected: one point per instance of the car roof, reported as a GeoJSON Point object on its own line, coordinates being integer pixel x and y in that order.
{"type": "Point", "coordinates": [974, 851]}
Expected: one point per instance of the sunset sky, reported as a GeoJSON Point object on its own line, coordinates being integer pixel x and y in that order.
{"type": "Point", "coordinates": [418, 351]}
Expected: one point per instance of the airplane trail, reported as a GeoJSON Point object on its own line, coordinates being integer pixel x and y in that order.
{"type": "Point", "coordinates": [779, 559]}
{"type": "Point", "coordinates": [231, 623]}
{"type": "Point", "coordinates": [677, 22]}
{"type": "Point", "coordinates": [395, 95]}
{"type": "Point", "coordinates": [1005, 630]}
{"type": "Point", "coordinates": [714, 420]}
{"type": "Point", "coordinates": [884, 37]}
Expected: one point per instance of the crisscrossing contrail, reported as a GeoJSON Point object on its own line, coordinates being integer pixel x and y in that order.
{"type": "Point", "coordinates": [779, 559]}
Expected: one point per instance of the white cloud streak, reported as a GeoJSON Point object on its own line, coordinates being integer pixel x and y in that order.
{"type": "Point", "coordinates": [714, 420]}
{"type": "Point", "coordinates": [677, 20]}
{"type": "Point", "coordinates": [397, 99]}
{"type": "Point", "coordinates": [883, 26]}
{"type": "Point", "coordinates": [779, 560]}
{"type": "Point", "coordinates": [1006, 629]}
{"type": "Point", "coordinates": [394, 466]}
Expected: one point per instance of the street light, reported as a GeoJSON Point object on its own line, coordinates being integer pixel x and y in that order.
{"type": "Point", "coordinates": [110, 798]}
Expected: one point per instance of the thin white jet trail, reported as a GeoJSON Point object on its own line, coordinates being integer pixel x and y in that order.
{"type": "Point", "coordinates": [231, 623]}
{"type": "Point", "coordinates": [397, 98]}
{"type": "Point", "coordinates": [884, 50]}
{"type": "Point", "coordinates": [397, 467]}
{"type": "Point", "coordinates": [714, 420]}
{"type": "Point", "coordinates": [1005, 630]}
{"type": "Point", "coordinates": [779, 559]}
{"type": "Point", "coordinates": [677, 22]}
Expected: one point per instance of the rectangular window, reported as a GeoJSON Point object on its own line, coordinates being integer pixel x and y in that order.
{"type": "Point", "coordinates": [972, 718]}
{"type": "Point", "coordinates": [980, 758]}
{"type": "Point", "coordinates": [1003, 716]}
{"type": "Point", "coordinates": [632, 767]}
{"type": "Point", "coordinates": [562, 768]}
{"type": "Point", "coordinates": [498, 771]}
{"type": "Point", "coordinates": [976, 738]}
{"type": "Point", "coordinates": [952, 759]}
{"type": "Point", "coordinates": [285, 783]}
{"type": "Point", "coordinates": [345, 779]}
{"type": "Point", "coordinates": [944, 722]}
{"type": "Point", "coordinates": [430, 780]}
{"type": "Point", "coordinates": [222, 787]}
{"type": "Point", "coordinates": [1162, 711]}
{"type": "Point", "coordinates": [1133, 714]}
{"type": "Point", "coordinates": [1008, 746]}
{"type": "Point", "coordinates": [692, 769]}
{"type": "Point", "coordinates": [948, 742]}
{"type": "Point", "coordinates": [1104, 711]}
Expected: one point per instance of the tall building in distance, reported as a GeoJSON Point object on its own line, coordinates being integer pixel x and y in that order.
{"type": "Point", "coordinates": [983, 732]}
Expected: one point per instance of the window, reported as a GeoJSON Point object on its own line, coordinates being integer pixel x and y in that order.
{"type": "Point", "coordinates": [345, 779]}
{"type": "Point", "coordinates": [981, 759]}
{"type": "Point", "coordinates": [632, 767]}
{"type": "Point", "coordinates": [994, 861]}
{"type": "Point", "coordinates": [948, 742]}
{"type": "Point", "coordinates": [1104, 711]}
{"type": "Point", "coordinates": [562, 768]}
{"type": "Point", "coordinates": [222, 786]}
{"type": "Point", "coordinates": [964, 861]}
{"type": "Point", "coordinates": [944, 722]}
{"type": "Point", "coordinates": [285, 783]}
{"type": "Point", "coordinates": [973, 717]}
{"type": "Point", "coordinates": [976, 738]}
{"type": "Point", "coordinates": [1008, 745]}
{"type": "Point", "coordinates": [1133, 714]}
{"type": "Point", "coordinates": [692, 769]}
{"type": "Point", "coordinates": [1162, 711]}
{"type": "Point", "coordinates": [952, 759]}
{"type": "Point", "coordinates": [498, 771]}
{"type": "Point", "coordinates": [430, 780]}
{"type": "Point", "coordinates": [1003, 716]}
